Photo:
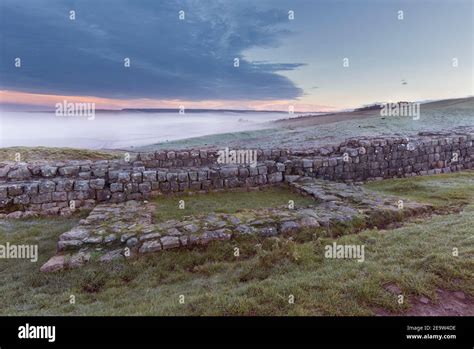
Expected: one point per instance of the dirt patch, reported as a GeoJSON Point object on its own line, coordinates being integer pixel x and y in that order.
{"type": "Point", "coordinates": [447, 303]}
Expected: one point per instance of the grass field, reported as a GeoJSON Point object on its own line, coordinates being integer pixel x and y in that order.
{"type": "Point", "coordinates": [226, 202]}
{"type": "Point", "coordinates": [56, 154]}
{"type": "Point", "coordinates": [416, 257]}
{"type": "Point", "coordinates": [450, 190]}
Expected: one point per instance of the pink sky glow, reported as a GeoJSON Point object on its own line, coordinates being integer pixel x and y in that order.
{"type": "Point", "coordinates": [49, 101]}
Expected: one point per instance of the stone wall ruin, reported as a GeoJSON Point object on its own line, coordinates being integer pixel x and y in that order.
{"type": "Point", "coordinates": [57, 188]}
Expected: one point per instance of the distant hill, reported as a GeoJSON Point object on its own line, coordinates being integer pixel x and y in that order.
{"type": "Point", "coordinates": [462, 103]}
{"type": "Point", "coordinates": [458, 103]}
{"type": "Point", "coordinates": [370, 111]}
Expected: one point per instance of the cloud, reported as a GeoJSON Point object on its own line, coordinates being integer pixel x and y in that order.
{"type": "Point", "coordinates": [191, 59]}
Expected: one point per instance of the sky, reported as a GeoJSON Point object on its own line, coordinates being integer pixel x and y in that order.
{"type": "Point", "coordinates": [284, 60]}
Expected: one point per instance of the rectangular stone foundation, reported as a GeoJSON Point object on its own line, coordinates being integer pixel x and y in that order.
{"type": "Point", "coordinates": [61, 187]}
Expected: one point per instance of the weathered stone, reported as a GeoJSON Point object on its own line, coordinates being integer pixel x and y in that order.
{"type": "Point", "coordinates": [15, 215]}
{"type": "Point", "coordinates": [150, 236]}
{"type": "Point", "coordinates": [113, 175]}
{"type": "Point", "coordinates": [29, 214]}
{"type": "Point", "coordinates": [4, 170]}
{"type": "Point", "coordinates": [145, 187]}
{"type": "Point", "coordinates": [244, 229]}
{"type": "Point", "coordinates": [111, 256]}
{"type": "Point", "coordinates": [171, 177]}
{"type": "Point", "coordinates": [76, 233]}
{"type": "Point", "coordinates": [20, 173]}
{"type": "Point", "coordinates": [103, 195]}
{"type": "Point", "coordinates": [110, 238]}
{"type": "Point", "coordinates": [100, 171]}
{"type": "Point", "coordinates": [227, 172]}
{"type": "Point", "coordinates": [98, 183]}
{"type": "Point", "coordinates": [46, 187]}
{"type": "Point", "coordinates": [289, 227]}
{"type": "Point", "coordinates": [234, 220]}
{"type": "Point", "coordinates": [64, 185]}
{"type": "Point", "coordinates": [115, 187]}
{"type": "Point", "coordinates": [149, 176]}
{"type": "Point", "coordinates": [123, 177]}
{"type": "Point", "coordinates": [169, 242]}
{"type": "Point", "coordinates": [132, 242]}
{"type": "Point", "coordinates": [85, 175]}
{"type": "Point", "coordinates": [309, 222]}
{"type": "Point", "coordinates": [268, 231]}
{"type": "Point", "coordinates": [55, 263]}
{"type": "Point", "coordinates": [146, 156]}
{"type": "Point", "coordinates": [15, 189]}
{"type": "Point", "coordinates": [137, 177]}
{"type": "Point", "coordinates": [78, 260]}
{"type": "Point", "coordinates": [183, 177]}
{"type": "Point", "coordinates": [324, 151]}
{"type": "Point", "coordinates": [81, 185]}
{"type": "Point", "coordinates": [118, 197]}
{"type": "Point", "coordinates": [150, 246]}
{"type": "Point", "coordinates": [173, 232]}
{"type": "Point", "coordinates": [208, 236]}
{"type": "Point", "coordinates": [48, 171]}
{"type": "Point", "coordinates": [193, 176]}
{"type": "Point", "coordinates": [275, 177]}
{"type": "Point", "coordinates": [64, 245]}
{"type": "Point", "coordinates": [69, 171]}
{"type": "Point", "coordinates": [161, 176]}
{"type": "Point", "coordinates": [59, 196]}
{"type": "Point", "coordinates": [191, 228]}
{"type": "Point", "coordinates": [184, 240]}
{"type": "Point", "coordinates": [94, 240]}
{"type": "Point", "coordinates": [291, 179]}
{"type": "Point", "coordinates": [41, 198]}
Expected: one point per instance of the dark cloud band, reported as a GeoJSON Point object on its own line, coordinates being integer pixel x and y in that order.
{"type": "Point", "coordinates": [191, 59]}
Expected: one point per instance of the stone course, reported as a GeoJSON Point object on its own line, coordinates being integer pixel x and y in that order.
{"type": "Point", "coordinates": [52, 188]}
{"type": "Point", "coordinates": [127, 230]}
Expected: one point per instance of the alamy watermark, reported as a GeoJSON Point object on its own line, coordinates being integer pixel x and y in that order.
{"type": "Point", "coordinates": [11, 251]}
{"type": "Point", "coordinates": [406, 109]}
{"type": "Point", "coordinates": [233, 157]}
{"type": "Point", "coordinates": [37, 332]}
{"type": "Point", "coordinates": [66, 108]}
{"type": "Point", "coordinates": [345, 252]}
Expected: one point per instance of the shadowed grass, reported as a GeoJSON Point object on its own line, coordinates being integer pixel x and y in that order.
{"type": "Point", "coordinates": [227, 202]}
